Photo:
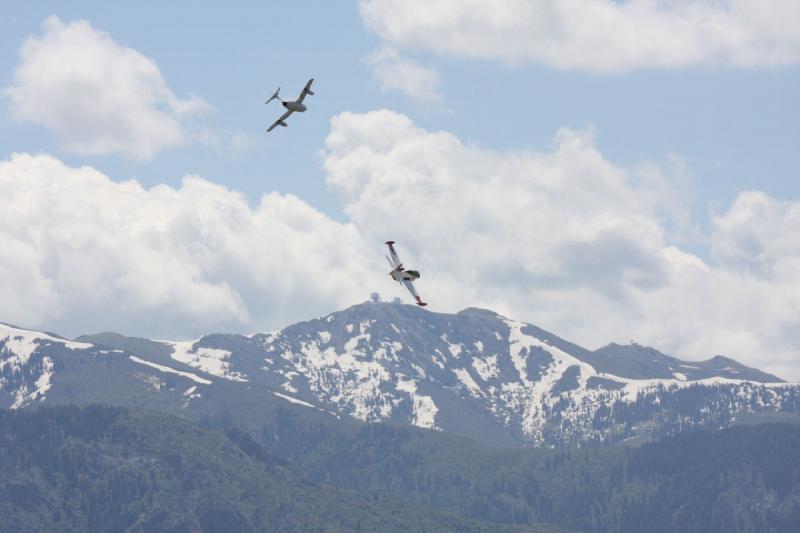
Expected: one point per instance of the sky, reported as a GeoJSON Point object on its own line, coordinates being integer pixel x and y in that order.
{"type": "Point", "coordinates": [608, 170]}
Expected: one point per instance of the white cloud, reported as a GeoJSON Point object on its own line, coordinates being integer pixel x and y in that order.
{"type": "Point", "coordinates": [570, 241]}
{"type": "Point", "coordinates": [546, 211]}
{"type": "Point", "coordinates": [84, 253]}
{"type": "Point", "coordinates": [595, 35]}
{"type": "Point", "coordinates": [396, 72]}
{"type": "Point", "coordinates": [565, 239]}
{"type": "Point", "coordinates": [759, 235]}
{"type": "Point", "coordinates": [98, 96]}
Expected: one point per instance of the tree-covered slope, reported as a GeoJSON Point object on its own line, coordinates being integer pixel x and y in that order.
{"type": "Point", "coordinates": [110, 469]}
{"type": "Point", "coordinates": [745, 478]}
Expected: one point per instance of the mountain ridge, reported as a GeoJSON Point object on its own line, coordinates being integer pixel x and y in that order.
{"type": "Point", "coordinates": [113, 340]}
{"type": "Point", "coordinates": [473, 373]}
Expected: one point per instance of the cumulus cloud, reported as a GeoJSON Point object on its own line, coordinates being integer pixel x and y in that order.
{"type": "Point", "coordinates": [83, 253]}
{"type": "Point", "coordinates": [595, 35]}
{"type": "Point", "coordinates": [563, 238]}
{"type": "Point", "coordinates": [396, 72]}
{"type": "Point", "coordinates": [98, 96]}
{"type": "Point", "coordinates": [563, 217]}
{"type": "Point", "coordinates": [572, 242]}
{"type": "Point", "coordinates": [759, 235]}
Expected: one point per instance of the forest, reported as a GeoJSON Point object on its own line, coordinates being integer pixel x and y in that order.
{"type": "Point", "coordinates": [100, 468]}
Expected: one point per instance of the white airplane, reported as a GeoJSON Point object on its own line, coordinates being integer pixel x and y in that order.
{"type": "Point", "coordinates": [291, 107]}
{"type": "Point", "coordinates": [401, 275]}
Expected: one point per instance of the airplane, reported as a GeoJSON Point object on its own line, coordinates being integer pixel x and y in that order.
{"type": "Point", "coordinates": [401, 275]}
{"type": "Point", "coordinates": [291, 107]}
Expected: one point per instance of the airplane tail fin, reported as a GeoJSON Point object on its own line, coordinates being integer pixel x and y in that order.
{"type": "Point", "coordinates": [274, 96]}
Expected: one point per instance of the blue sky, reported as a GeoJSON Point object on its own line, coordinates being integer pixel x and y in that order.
{"type": "Point", "coordinates": [664, 137]}
{"type": "Point", "coordinates": [234, 59]}
{"type": "Point", "coordinates": [738, 129]}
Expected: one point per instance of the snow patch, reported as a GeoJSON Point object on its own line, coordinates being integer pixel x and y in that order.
{"type": "Point", "coordinates": [464, 377]}
{"type": "Point", "coordinates": [486, 367]}
{"type": "Point", "coordinates": [292, 399]}
{"type": "Point", "coordinates": [209, 360]}
{"type": "Point", "coordinates": [287, 385]}
{"type": "Point", "coordinates": [455, 349]}
{"type": "Point", "coordinates": [423, 408]}
{"type": "Point", "coordinates": [634, 387]}
{"type": "Point", "coordinates": [351, 380]}
{"type": "Point", "coordinates": [190, 395]}
{"type": "Point", "coordinates": [154, 382]}
{"type": "Point", "coordinates": [168, 370]}
{"type": "Point", "coordinates": [534, 398]}
{"type": "Point", "coordinates": [23, 396]}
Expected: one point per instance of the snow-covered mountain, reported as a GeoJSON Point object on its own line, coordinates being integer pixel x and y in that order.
{"type": "Point", "coordinates": [473, 373]}
{"type": "Point", "coordinates": [26, 364]}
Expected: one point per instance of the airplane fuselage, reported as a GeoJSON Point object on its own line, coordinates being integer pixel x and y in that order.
{"type": "Point", "coordinates": [401, 275]}
{"type": "Point", "coordinates": [297, 107]}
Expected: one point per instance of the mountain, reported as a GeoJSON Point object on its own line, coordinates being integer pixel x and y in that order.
{"type": "Point", "coordinates": [641, 362]}
{"type": "Point", "coordinates": [111, 469]}
{"type": "Point", "coordinates": [474, 373]}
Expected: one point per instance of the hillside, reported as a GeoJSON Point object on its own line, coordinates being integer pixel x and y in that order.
{"type": "Point", "coordinates": [111, 469]}
{"type": "Point", "coordinates": [745, 478]}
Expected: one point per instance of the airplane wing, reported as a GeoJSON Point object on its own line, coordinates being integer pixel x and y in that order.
{"type": "Point", "coordinates": [395, 261]}
{"type": "Point", "coordinates": [413, 291]}
{"type": "Point", "coordinates": [306, 90]}
{"type": "Point", "coordinates": [283, 117]}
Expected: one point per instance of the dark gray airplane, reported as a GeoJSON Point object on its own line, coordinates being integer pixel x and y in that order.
{"type": "Point", "coordinates": [291, 107]}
